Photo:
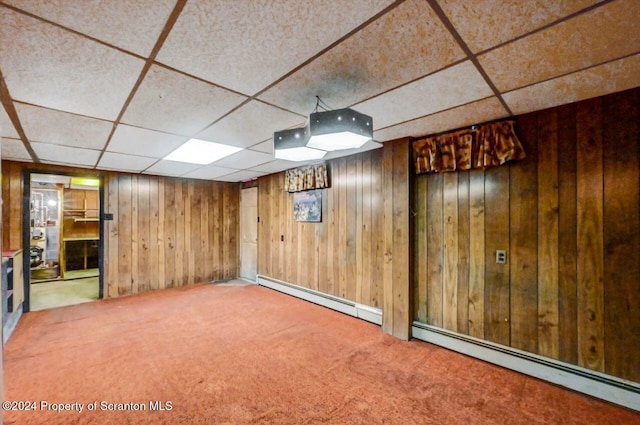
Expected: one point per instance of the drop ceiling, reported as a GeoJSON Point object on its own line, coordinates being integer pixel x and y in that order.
{"type": "Point", "coordinates": [118, 85]}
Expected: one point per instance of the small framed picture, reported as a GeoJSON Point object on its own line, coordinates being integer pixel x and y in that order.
{"type": "Point", "coordinates": [307, 206]}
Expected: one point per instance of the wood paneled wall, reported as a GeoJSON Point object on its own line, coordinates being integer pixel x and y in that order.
{"type": "Point", "coordinates": [361, 249]}
{"type": "Point", "coordinates": [169, 232]}
{"type": "Point", "coordinates": [166, 232]}
{"type": "Point", "coordinates": [568, 217]}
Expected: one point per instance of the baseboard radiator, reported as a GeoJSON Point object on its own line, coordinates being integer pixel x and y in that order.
{"type": "Point", "coordinates": [600, 385]}
{"type": "Point", "coordinates": [361, 311]}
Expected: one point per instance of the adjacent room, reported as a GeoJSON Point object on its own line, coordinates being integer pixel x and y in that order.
{"type": "Point", "coordinates": [374, 211]}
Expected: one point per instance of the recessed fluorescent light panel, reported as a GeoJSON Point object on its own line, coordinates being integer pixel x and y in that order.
{"type": "Point", "coordinates": [196, 151]}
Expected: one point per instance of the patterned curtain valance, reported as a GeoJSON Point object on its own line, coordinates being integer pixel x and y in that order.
{"type": "Point", "coordinates": [306, 178]}
{"type": "Point", "coordinates": [482, 146]}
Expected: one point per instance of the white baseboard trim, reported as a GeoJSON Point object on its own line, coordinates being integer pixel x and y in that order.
{"type": "Point", "coordinates": [11, 324]}
{"type": "Point", "coordinates": [364, 312]}
{"type": "Point", "coordinates": [600, 385]}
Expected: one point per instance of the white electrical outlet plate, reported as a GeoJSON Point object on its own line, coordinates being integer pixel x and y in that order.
{"type": "Point", "coordinates": [501, 256]}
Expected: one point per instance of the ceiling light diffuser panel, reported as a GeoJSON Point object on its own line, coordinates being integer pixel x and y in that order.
{"type": "Point", "coordinates": [196, 151]}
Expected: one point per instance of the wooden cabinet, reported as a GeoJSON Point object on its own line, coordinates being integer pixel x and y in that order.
{"type": "Point", "coordinates": [80, 230]}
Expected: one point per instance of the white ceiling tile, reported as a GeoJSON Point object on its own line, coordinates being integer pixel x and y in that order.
{"type": "Point", "coordinates": [209, 172]}
{"type": "Point", "coordinates": [171, 168]}
{"type": "Point", "coordinates": [47, 66]}
{"type": "Point", "coordinates": [451, 87]}
{"type": "Point", "coordinates": [118, 161]}
{"type": "Point", "coordinates": [6, 126]}
{"type": "Point", "coordinates": [461, 116]}
{"type": "Point", "coordinates": [240, 176]}
{"type": "Point", "coordinates": [486, 23]}
{"type": "Point", "coordinates": [250, 124]}
{"type": "Point", "coordinates": [61, 128]}
{"type": "Point", "coordinates": [278, 165]}
{"type": "Point", "coordinates": [608, 32]}
{"type": "Point", "coordinates": [131, 25]}
{"type": "Point", "coordinates": [247, 45]}
{"type": "Point", "coordinates": [244, 159]}
{"type": "Point", "coordinates": [14, 149]}
{"type": "Point", "coordinates": [604, 79]}
{"type": "Point", "coordinates": [65, 155]}
{"type": "Point", "coordinates": [143, 142]}
{"type": "Point", "coordinates": [405, 44]}
{"type": "Point", "coordinates": [266, 147]}
{"type": "Point", "coordinates": [172, 102]}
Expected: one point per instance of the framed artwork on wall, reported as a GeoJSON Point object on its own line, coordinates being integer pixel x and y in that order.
{"type": "Point", "coordinates": [307, 206]}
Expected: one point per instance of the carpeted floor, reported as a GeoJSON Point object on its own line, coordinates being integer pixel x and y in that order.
{"type": "Point", "coordinates": [226, 354]}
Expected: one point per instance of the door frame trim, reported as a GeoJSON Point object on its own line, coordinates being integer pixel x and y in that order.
{"type": "Point", "coordinates": [26, 227]}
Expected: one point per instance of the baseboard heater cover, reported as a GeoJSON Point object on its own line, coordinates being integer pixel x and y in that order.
{"type": "Point", "coordinates": [364, 312]}
{"type": "Point", "coordinates": [599, 385]}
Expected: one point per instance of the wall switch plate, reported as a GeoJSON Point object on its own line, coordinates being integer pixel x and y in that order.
{"type": "Point", "coordinates": [501, 256]}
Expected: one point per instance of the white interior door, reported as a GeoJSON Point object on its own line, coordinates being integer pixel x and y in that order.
{"type": "Point", "coordinates": [249, 233]}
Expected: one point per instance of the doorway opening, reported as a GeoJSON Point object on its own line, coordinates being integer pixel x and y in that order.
{"type": "Point", "coordinates": [64, 239]}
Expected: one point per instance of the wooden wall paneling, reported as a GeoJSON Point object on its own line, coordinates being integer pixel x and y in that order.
{"type": "Point", "coordinates": [402, 273]}
{"type": "Point", "coordinates": [135, 236]}
{"type": "Point", "coordinates": [322, 243]}
{"type": "Point", "coordinates": [232, 218]}
{"type": "Point", "coordinates": [312, 249]}
{"type": "Point", "coordinates": [450, 269]}
{"type": "Point", "coordinates": [161, 241]}
{"type": "Point", "coordinates": [567, 235]}
{"type": "Point", "coordinates": [6, 179]}
{"type": "Point", "coordinates": [462, 299]}
{"type": "Point", "coordinates": [170, 232]}
{"type": "Point", "coordinates": [264, 236]}
{"type": "Point", "coordinates": [359, 227]}
{"type": "Point", "coordinates": [153, 267]}
{"type": "Point", "coordinates": [387, 237]}
{"type": "Point", "coordinates": [195, 253]}
{"type": "Point", "coordinates": [367, 261]}
{"type": "Point", "coordinates": [180, 233]}
{"type": "Point", "coordinates": [144, 232]}
{"type": "Point", "coordinates": [523, 219]}
{"type": "Point", "coordinates": [112, 264]}
{"type": "Point", "coordinates": [342, 247]}
{"type": "Point", "coordinates": [420, 262]}
{"type": "Point", "coordinates": [377, 205]}
{"type": "Point", "coordinates": [206, 241]}
{"type": "Point", "coordinates": [281, 218]}
{"type": "Point", "coordinates": [189, 260]}
{"type": "Point", "coordinates": [476, 253]}
{"type": "Point", "coordinates": [351, 214]}
{"type": "Point", "coordinates": [217, 211]}
{"type": "Point", "coordinates": [332, 284]}
{"type": "Point", "coordinates": [290, 272]}
{"type": "Point", "coordinates": [590, 236]}
{"type": "Point", "coordinates": [622, 235]}
{"type": "Point", "coordinates": [302, 276]}
{"type": "Point", "coordinates": [15, 208]}
{"type": "Point", "coordinates": [548, 262]}
{"type": "Point", "coordinates": [276, 244]}
{"type": "Point", "coordinates": [125, 218]}
{"type": "Point", "coordinates": [497, 313]}
{"type": "Point", "coordinates": [435, 251]}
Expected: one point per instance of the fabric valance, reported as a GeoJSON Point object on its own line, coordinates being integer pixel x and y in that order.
{"type": "Point", "coordinates": [481, 146]}
{"type": "Point", "coordinates": [306, 178]}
